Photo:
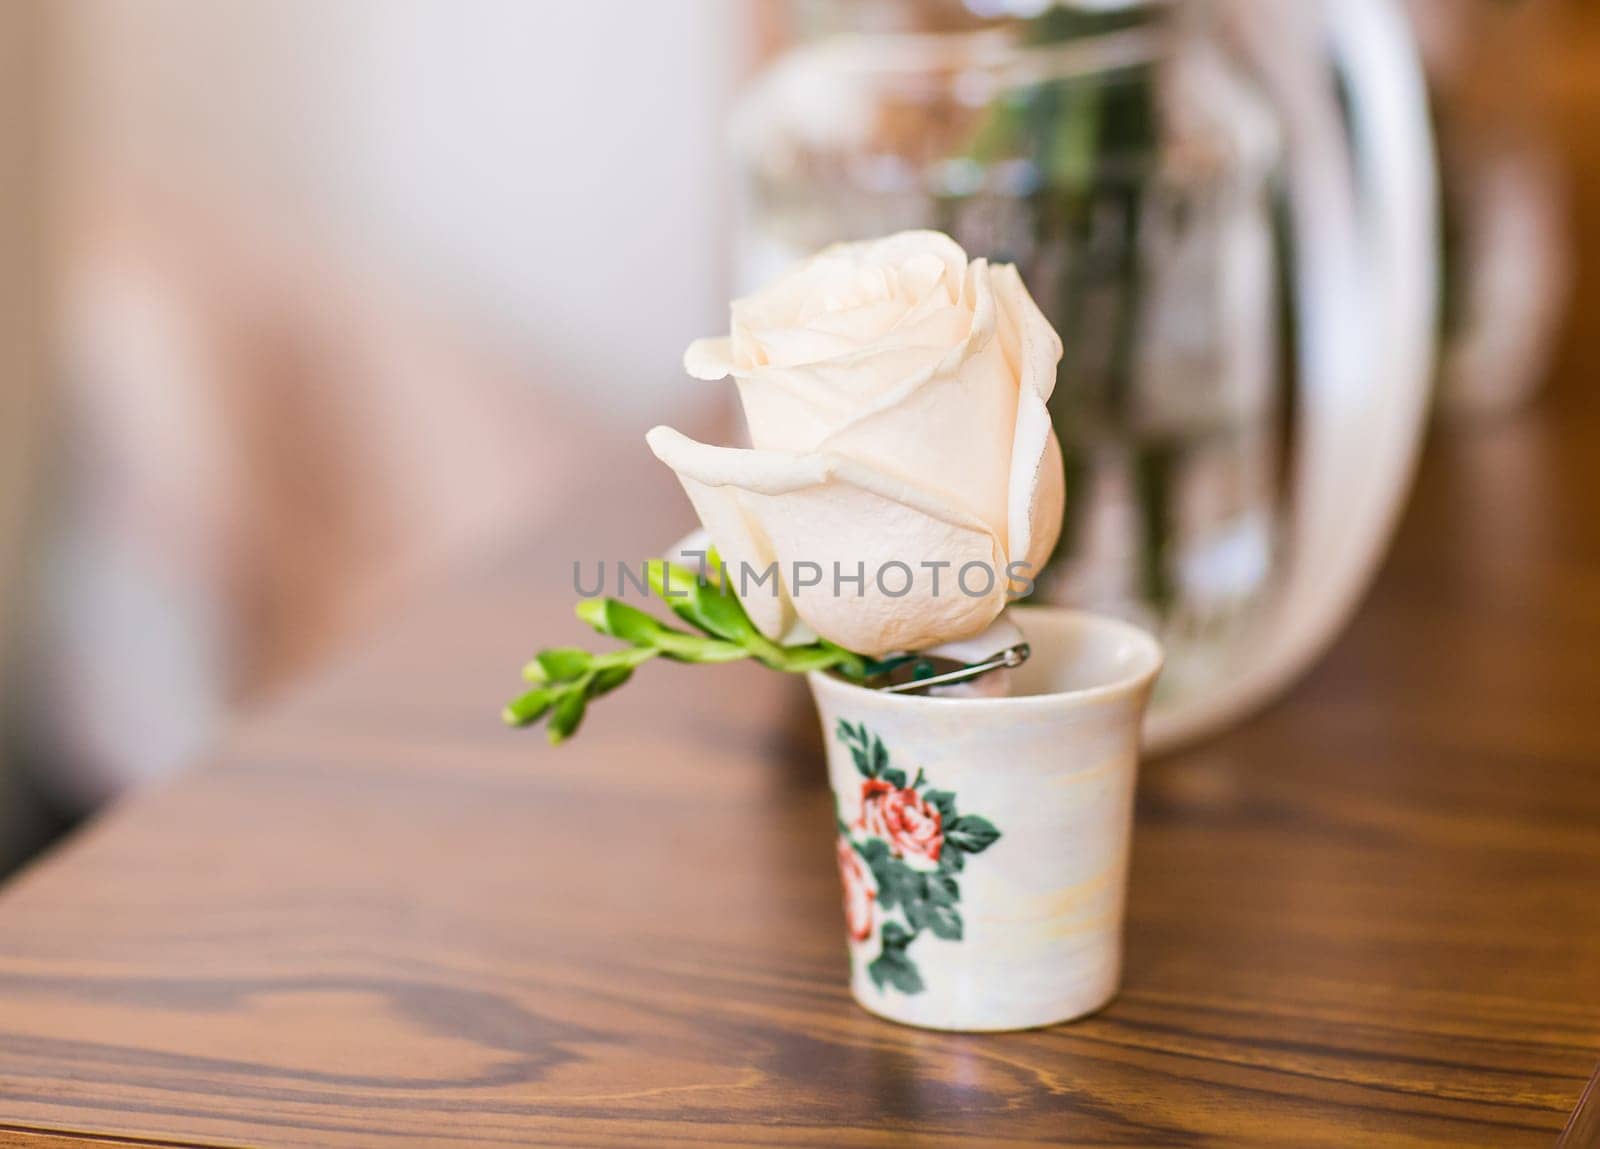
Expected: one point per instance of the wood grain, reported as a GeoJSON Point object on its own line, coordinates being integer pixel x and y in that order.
{"type": "Point", "coordinates": [1370, 917]}
{"type": "Point", "coordinates": [1583, 1126]}
{"type": "Point", "coordinates": [1367, 918]}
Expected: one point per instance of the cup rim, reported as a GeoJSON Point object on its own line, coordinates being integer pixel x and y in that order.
{"type": "Point", "coordinates": [1151, 664]}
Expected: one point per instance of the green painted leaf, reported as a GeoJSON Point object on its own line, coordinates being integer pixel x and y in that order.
{"type": "Point", "coordinates": [896, 937]}
{"type": "Point", "coordinates": [971, 834]}
{"type": "Point", "coordinates": [895, 778]}
{"type": "Point", "coordinates": [872, 850]}
{"type": "Point", "coordinates": [931, 905]}
{"type": "Point", "coordinates": [855, 737]}
{"type": "Point", "coordinates": [898, 883]}
{"type": "Point", "coordinates": [880, 756]}
{"type": "Point", "coordinates": [951, 861]}
{"type": "Point", "coordinates": [941, 800]}
{"type": "Point", "coordinates": [943, 889]}
{"type": "Point", "coordinates": [880, 864]}
{"type": "Point", "coordinates": [943, 921]}
{"type": "Point", "coordinates": [893, 968]}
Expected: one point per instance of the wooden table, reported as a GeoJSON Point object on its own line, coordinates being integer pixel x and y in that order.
{"type": "Point", "coordinates": [1369, 917]}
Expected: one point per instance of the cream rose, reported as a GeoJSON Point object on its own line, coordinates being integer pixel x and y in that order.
{"type": "Point", "coordinates": [895, 393]}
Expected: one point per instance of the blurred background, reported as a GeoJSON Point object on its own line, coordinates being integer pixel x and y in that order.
{"type": "Point", "coordinates": [308, 301]}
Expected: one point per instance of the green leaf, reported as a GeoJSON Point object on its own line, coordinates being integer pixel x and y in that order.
{"type": "Point", "coordinates": [528, 709]}
{"type": "Point", "coordinates": [608, 679]}
{"type": "Point", "coordinates": [929, 901]}
{"type": "Point", "coordinates": [567, 715]}
{"type": "Point", "coordinates": [896, 936]}
{"type": "Point", "coordinates": [971, 834]}
{"type": "Point", "coordinates": [693, 648]}
{"type": "Point", "coordinates": [703, 604]}
{"type": "Point", "coordinates": [872, 850]}
{"type": "Point", "coordinates": [898, 883]}
{"type": "Point", "coordinates": [727, 635]}
{"type": "Point", "coordinates": [628, 657]}
{"type": "Point", "coordinates": [888, 892]}
{"type": "Point", "coordinates": [802, 659]}
{"type": "Point", "coordinates": [562, 664]}
{"type": "Point", "coordinates": [943, 889]}
{"type": "Point", "coordinates": [873, 667]}
{"type": "Point", "coordinates": [944, 922]}
{"type": "Point", "coordinates": [619, 620]}
{"type": "Point", "coordinates": [632, 625]}
{"type": "Point", "coordinates": [943, 801]}
{"type": "Point", "coordinates": [893, 968]}
{"type": "Point", "coordinates": [721, 614]}
{"type": "Point", "coordinates": [855, 737]}
{"type": "Point", "coordinates": [671, 583]}
{"type": "Point", "coordinates": [863, 767]}
{"type": "Point", "coordinates": [895, 778]}
{"type": "Point", "coordinates": [951, 861]}
{"type": "Point", "coordinates": [849, 664]}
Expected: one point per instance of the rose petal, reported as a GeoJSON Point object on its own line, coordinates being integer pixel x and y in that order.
{"type": "Point", "coordinates": [845, 516]}
{"type": "Point", "coordinates": [709, 359]}
{"type": "Point", "coordinates": [798, 346]}
{"type": "Point", "coordinates": [1037, 479]}
{"type": "Point", "coordinates": [907, 246]}
{"type": "Point", "coordinates": [796, 409]}
{"type": "Point", "coordinates": [948, 429]}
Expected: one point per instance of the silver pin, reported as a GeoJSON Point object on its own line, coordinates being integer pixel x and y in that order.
{"type": "Point", "coordinates": [1008, 659]}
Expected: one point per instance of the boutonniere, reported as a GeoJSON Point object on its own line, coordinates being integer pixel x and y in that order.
{"type": "Point", "coordinates": [903, 484]}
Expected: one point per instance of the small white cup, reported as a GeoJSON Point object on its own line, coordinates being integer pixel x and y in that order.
{"type": "Point", "coordinates": [983, 842]}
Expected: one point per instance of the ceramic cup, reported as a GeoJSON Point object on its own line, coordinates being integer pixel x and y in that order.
{"type": "Point", "coordinates": [983, 842]}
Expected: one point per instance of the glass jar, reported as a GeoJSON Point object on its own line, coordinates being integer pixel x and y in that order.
{"type": "Point", "coordinates": [1122, 159]}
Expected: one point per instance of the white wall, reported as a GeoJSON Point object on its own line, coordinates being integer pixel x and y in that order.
{"type": "Point", "coordinates": [553, 173]}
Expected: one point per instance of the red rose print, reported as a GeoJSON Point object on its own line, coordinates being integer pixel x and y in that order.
{"type": "Point", "coordinates": [859, 893]}
{"type": "Point", "coordinates": [912, 827]}
{"type": "Point", "coordinates": [899, 833]}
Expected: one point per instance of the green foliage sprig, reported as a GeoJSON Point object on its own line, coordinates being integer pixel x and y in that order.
{"type": "Point", "coordinates": [566, 679]}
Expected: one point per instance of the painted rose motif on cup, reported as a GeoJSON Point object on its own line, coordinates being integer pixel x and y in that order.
{"type": "Point", "coordinates": [903, 818]}
{"type": "Point", "coordinates": [859, 892]}
{"type": "Point", "coordinates": [899, 859]}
